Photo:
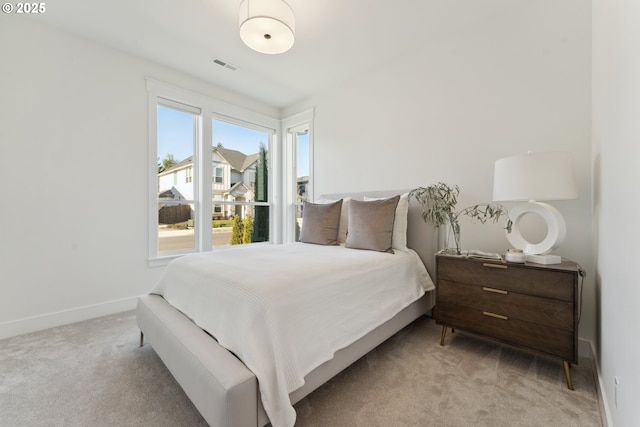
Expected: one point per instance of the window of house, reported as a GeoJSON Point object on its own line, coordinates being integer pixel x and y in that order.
{"type": "Point", "coordinates": [212, 181]}
{"type": "Point", "coordinates": [302, 164]}
{"type": "Point", "coordinates": [219, 175]}
{"type": "Point", "coordinates": [177, 134]}
{"type": "Point", "coordinates": [243, 150]}
{"type": "Point", "coordinates": [299, 165]}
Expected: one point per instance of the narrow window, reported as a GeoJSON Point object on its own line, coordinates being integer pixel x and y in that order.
{"type": "Point", "coordinates": [299, 170]}
{"type": "Point", "coordinates": [219, 175]}
{"type": "Point", "coordinates": [176, 136]}
{"type": "Point", "coordinates": [302, 167]}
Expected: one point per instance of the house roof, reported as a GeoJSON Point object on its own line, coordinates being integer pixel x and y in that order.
{"type": "Point", "coordinates": [236, 159]}
{"type": "Point", "coordinates": [184, 192]}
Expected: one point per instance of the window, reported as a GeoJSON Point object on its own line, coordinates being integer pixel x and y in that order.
{"type": "Point", "coordinates": [303, 188]}
{"type": "Point", "coordinates": [299, 165]}
{"type": "Point", "coordinates": [219, 174]}
{"type": "Point", "coordinates": [177, 133]}
{"type": "Point", "coordinates": [199, 188]}
{"type": "Point", "coordinates": [242, 206]}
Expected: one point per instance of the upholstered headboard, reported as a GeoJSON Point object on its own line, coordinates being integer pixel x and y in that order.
{"type": "Point", "coordinates": [421, 236]}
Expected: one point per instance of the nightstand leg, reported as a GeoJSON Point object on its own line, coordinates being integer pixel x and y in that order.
{"type": "Point", "coordinates": [567, 375]}
{"type": "Point", "coordinates": [141, 338]}
{"type": "Point", "coordinates": [444, 334]}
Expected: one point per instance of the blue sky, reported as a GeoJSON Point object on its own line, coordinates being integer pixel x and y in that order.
{"type": "Point", "coordinates": [175, 136]}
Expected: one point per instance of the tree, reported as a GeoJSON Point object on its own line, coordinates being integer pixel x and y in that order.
{"type": "Point", "coordinates": [261, 222]}
{"type": "Point", "coordinates": [236, 232]}
{"type": "Point", "coordinates": [167, 162]}
{"type": "Point", "coordinates": [247, 229]}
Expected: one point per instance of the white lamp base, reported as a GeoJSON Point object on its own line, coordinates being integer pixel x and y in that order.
{"type": "Point", "coordinates": [544, 259]}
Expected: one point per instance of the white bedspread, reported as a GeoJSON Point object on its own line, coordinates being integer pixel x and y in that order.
{"type": "Point", "coordinates": [286, 309]}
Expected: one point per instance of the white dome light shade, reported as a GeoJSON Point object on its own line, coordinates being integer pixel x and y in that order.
{"type": "Point", "coordinates": [267, 26]}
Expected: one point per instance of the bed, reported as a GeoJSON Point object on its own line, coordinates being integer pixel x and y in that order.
{"type": "Point", "coordinates": [221, 386]}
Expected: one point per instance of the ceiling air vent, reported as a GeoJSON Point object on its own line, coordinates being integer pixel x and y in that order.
{"type": "Point", "coordinates": [224, 64]}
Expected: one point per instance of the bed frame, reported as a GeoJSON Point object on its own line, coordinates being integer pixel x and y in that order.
{"type": "Point", "coordinates": [220, 386]}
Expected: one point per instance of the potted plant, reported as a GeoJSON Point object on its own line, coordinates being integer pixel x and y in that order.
{"type": "Point", "coordinates": [439, 202]}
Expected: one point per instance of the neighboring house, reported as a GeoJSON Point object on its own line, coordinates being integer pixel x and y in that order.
{"type": "Point", "coordinates": [302, 184]}
{"type": "Point", "coordinates": [234, 178]}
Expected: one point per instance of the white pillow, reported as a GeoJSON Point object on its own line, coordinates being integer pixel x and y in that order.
{"type": "Point", "coordinates": [399, 240]}
{"type": "Point", "coordinates": [344, 217]}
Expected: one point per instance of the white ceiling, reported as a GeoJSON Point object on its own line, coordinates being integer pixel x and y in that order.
{"type": "Point", "coordinates": [335, 39]}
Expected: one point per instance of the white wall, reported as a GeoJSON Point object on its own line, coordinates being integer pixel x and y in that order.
{"type": "Point", "coordinates": [73, 146]}
{"type": "Point", "coordinates": [616, 174]}
{"type": "Point", "coordinates": [447, 111]}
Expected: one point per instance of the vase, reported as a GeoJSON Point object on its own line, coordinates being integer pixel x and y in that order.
{"type": "Point", "coordinates": [449, 239]}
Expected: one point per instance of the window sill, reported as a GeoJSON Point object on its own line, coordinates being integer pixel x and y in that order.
{"type": "Point", "coordinates": [162, 261]}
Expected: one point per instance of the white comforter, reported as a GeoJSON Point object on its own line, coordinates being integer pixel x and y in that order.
{"type": "Point", "coordinates": [286, 309]}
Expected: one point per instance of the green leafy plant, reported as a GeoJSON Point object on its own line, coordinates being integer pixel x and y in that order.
{"type": "Point", "coordinates": [236, 231]}
{"type": "Point", "coordinates": [439, 202]}
{"type": "Point", "coordinates": [247, 229]}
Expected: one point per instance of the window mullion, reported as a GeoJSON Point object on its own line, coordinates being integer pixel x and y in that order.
{"type": "Point", "coordinates": [204, 181]}
{"type": "Point", "coordinates": [153, 175]}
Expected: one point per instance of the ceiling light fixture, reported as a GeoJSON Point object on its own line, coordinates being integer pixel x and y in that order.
{"type": "Point", "coordinates": [267, 26]}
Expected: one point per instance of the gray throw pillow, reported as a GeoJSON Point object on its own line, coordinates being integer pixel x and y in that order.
{"type": "Point", "coordinates": [320, 223]}
{"type": "Point", "coordinates": [371, 224]}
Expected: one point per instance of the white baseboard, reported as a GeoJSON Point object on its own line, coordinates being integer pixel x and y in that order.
{"type": "Point", "coordinates": [585, 348]}
{"type": "Point", "coordinates": [605, 414]}
{"type": "Point", "coordinates": [59, 318]}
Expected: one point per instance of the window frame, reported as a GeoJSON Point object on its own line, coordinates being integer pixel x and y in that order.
{"type": "Point", "coordinates": [215, 175]}
{"type": "Point", "coordinates": [270, 143]}
{"type": "Point", "coordinates": [209, 108]}
{"type": "Point", "coordinates": [291, 126]}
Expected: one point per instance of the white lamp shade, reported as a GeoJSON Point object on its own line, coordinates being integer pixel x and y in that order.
{"type": "Point", "coordinates": [267, 26]}
{"type": "Point", "coordinates": [534, 176]}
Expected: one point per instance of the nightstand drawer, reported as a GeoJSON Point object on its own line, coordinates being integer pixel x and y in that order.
{"type": "Point", "coordinates": [545, 339]}
{"type": "Point", "coordinates": [541, 282]}
{"type": "Point", "coordinates": [545, 311]}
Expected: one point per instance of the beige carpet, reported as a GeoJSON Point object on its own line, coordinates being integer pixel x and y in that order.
{"type": "Point", "coordinates": [94, 374]}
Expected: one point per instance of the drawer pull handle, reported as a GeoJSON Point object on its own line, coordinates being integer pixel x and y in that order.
{"type": "Point", "coordinates": [497, 316]}
{"type": "Point", "coordinates": [486, 264]}
{"type": "Point", "coordinates": [495, 291]}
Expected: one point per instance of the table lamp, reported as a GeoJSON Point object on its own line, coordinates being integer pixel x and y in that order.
{"type": "Point", "coordinates": [530, 178]}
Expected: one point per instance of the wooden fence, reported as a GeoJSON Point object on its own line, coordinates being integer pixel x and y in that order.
{"type": "Point", "coordinates": [174, 214]}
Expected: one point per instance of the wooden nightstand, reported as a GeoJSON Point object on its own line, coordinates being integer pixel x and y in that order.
{"type": "Point", "coordinates": [531, 306]}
